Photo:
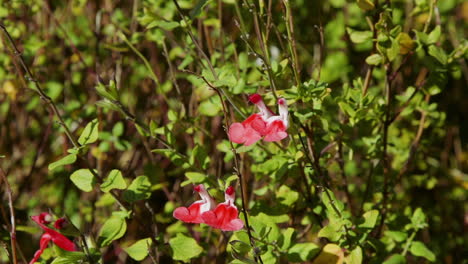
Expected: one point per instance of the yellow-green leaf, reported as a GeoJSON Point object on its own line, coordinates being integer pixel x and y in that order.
{"type": "Point", "coordinates": [90, 133]}
{"type": "Point", "coordinates": [365, 5]}
{"type": "Point", "coordinates": [139, 250]}
{"type": "Point", "coordinates": [184, 247]}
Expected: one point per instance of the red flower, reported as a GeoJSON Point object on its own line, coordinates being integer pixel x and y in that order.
{"type": "Point", "coordinates": [50, 235]}
{"type": "Point", "coordinates": [192, 214]}
{"type": "Point", "coordinates": [225, 215]}
{"type": "Point", "coordinates": [276, 125]}
{"type": "Point", "coordinates": [263, 124]}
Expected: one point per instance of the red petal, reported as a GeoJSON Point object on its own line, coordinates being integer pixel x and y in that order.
{"type": "Point", "coordinates": [234, 225]}
{"type": "Point", "coordinates": [223, 217]}
{"type": "Point", "coordinates": [61, 241]}
{"type": "Point", "coordinates": [45, 238]}
{"type": "Point", "coordinates": [189, 215]}
{"type": "Point", "coordinates": [259, 125]}
{"type": "Point", "coordinates": [255, 98]}
{"type": "Point", "coordinates": [210, 218]}
{"type": "Point", "coordinates": [275, 131]}
{"type": "Point", "coordinates": [251, 136]}
{"type": "Point", "coordinates": [236, 133]}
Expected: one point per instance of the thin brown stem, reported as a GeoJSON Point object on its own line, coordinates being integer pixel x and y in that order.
{"type": "Point", "coordinates": [263, 47]}
{"type": "Point", "coordinates": [384, 158]}
{"type": "Point", "coordinates": [292, 41]}
{"type": "Point", "coordinates": [344, 176]}
{"type": "Point", "coordinates": [12, 217]}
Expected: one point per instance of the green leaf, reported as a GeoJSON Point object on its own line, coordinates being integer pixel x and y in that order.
{"type": "Point", "coordinates": [287, 196]}
{"type": "Point", "coordinates": [114, 228]}
{"type": "Point", "coordinates": [53, 89]}
{"type": "Point", "coordinates": [420, 250]}
{"type": "Point", "coordinates": [359, 36]}
{"type": "Point", "coordinates": [240, 246]}
{"type": "Point", "coordinates": [67, 257]}
{"type": "Point", "coordinates": [184, 247]}
{"type": "Point", "coordinates": [301, 252]}
{"type": "Point", "coordinates": [438, 54]}
{"type": "Point", "coordinates": [331, 231]}
{"type": "Point", "coordinates": [118, 129]}
{"type": "Point", "coordinates": [106, 104]}
{"type": "Point", "coordinates": [418, 220]}
{"type": "Point", "coordinates": [69, 159]}
{"type": "Point", "coordinates": [406, 43]}
{"type": "Point", "coordinates": [434, 36]}
{"type": "Point", "coordinates": [370, 219]}
{"type": "Point", "coordinates": [395, 259]}
{"type": "Point", "coordinates": [243, 61]}
{"type": "Point", "coordinates": [331, 253]}
{"type": "Point", "coordinates": [139, 189]}
{"type": "Point", "coordinates": [198, 8]}
{"type": "Point", "coordinates": [421, 37]}
{"type": "Point", "coordinates": [83, 179]}
{"type": "Point", "coordinates": [90, 133]}
{"type": "Point", "coordinates": [396, 235]}
{"type": "Point", "coordinates": [164, 25]}
{"type": "Point", "coordinates": [345, 107]}
{"type": "Point", "coordinates": [374, 59]}
{"type": "Point", "coordinates": [210, 107]}
{"type": "Point", "coordinates": [355, 257]}
{"type": "Point", "coordinates": [365, 5]}
{"type": "Point", "coordinates": [139, 250]}
{"type": "Point", "coordinates": [287, 237]}
{"type": "Point", "coordinates": [394, 50]}
{"type": "Point", "coordinates": [195, 177]}
{"type": "Point", "coordinates": [200, 157]}
{"type": "Point", "coordinates": [113, 181]}
{"type": "Point", "coordinates": [108, 93]}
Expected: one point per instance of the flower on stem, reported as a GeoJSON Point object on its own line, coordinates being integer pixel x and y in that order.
{"type": "Point", "coordinates": [263, 124]}
{"type": "Point", "coordinates": [50, 235]}
{"type": "Point", "coordinates": [225, 215]}
{"type": "Point", "coordinates": [193, 213]}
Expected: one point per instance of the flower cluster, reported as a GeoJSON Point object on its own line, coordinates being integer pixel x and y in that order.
{"type": "Point", "coordinates": [224, 216]}
{"type": "Point", "coordinates": [264, 124]}
{"type": "Point", "coordinates": [50, 234]}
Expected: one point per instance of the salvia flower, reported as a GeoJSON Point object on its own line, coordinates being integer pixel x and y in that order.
{"type": "Point", "coordinates": [263, 124]}
{"type": "Point", "coordinates": [50, 234]}
{"type": "Point", "coordinates": [193, 213]}
{"type": "Point", "coordinates": [225, 215]}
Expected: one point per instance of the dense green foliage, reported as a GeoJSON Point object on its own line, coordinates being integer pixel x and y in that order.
{"type": "Point", "coordinates": [374, 169]}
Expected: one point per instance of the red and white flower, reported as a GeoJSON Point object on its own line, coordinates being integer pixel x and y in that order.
{"type": "Point", "coordinates": [276, 125]}
{"type": "Point", "coordinates": [193, 213]}
{"type": "Point", "coordinates": [50, 234]}
{"type": "Point", "coordinates": [263, 124]}
{"type": "Point", "coordinates": [225, 215]}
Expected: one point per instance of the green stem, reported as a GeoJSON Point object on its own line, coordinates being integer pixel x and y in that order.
{"type": "Point", "coordinates": [408, 243]}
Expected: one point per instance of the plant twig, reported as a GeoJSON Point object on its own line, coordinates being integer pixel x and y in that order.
{"type": "Point", "coordinates": [12, 217]}
{"type": "Point", "coordinates": [344, 176]}
{"type": "Point", "coordinates": [263, 47]}
{"type": "Point", "coordinates": [385, 162]}
{"type": "Point", "coordinates": [38, 88]}
{"type": "Point", "coordinates": [292, 41]}
{"type": "Point", "coordinates": [236, 169]}
{"type": "Point", "coordinates": [54, 108]}
{"type": "Point", "coordinates": [205, 57]}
